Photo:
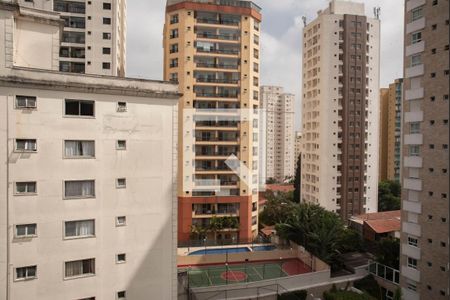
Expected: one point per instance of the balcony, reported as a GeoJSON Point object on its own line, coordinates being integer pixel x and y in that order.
{"type": "Point", "coordinates": [414, 207]}
{"type": "Point", "coordinates": [413, 139]}
{"type": "Point", "coordinates": [415, 48]}
{"type": "Point", "coordinates": [212, 21]}
{"type": "Point", "coordinates": [414, 94]}
{"type": "Point", "coordinates": [233, 52]}
{"type": "Point", "coordinates": [217, 66]}
{"type": "Point", "coordinates": [216, 95]}
{"type": "Point", "coordinates": [410, 273]}
{"type": "Point", "coordinates": [414, 71]}
{"type": "Point", "coordinates": [415, 25]}
{"type": "Point", "coordinates": [216, 80]}
{"type": "Point", "coordinates": [221, 124]}
{"type": "Point", "coordinates": [413, 162]}
{"type": "Point", "coordinates": [223, 37]}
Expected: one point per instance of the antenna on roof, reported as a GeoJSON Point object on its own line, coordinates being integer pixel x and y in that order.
{"type": "Point", "coordinates": [304, 20]}
{"type": "Point", "coordinates": [376, 12]}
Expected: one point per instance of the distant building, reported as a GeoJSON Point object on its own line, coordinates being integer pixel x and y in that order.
{"type": "Point", "coordinates": [88, 178]}
{"type": "Point", "coordinates": [278, 129]}
{"type": "Point", "coordinates": [424, 260]}
{"type": "Point", "coordinates": [390, 131]}
{"type": "Point", "coordinates": [297, 146]}
{"type": "Point", "coordinates": [93, 40]}
{"type": "Point", "coordinates": [212, 49]}
{"type": "Point", "coordinates": [375, 226]}
{"type": "Point", "coordinates": [340, 121]}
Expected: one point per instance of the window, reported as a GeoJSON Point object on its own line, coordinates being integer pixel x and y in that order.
{"type": "Point", "coordinates": [106, 6]}
{"type": "Point", "coordinates": [173, 48]}
{"type": "Point", "coordinates": [25, 102]}
{"type": "Point", "coordinates": [174, 19]}
{"type": "Point", "coordinates": [412, 263]}
{"type": "Point", "coordinates": [255, 67]}
{"type": "Point", "coordinates": [174, 33]}
{"type": "Point", "coordinates": [106, 35]}
{"type": "Point", "coordinates": [26, 230]}
{"type": "Point", "coordinates": [411, 285]}
{"type": "Point", "coordinates": [106, 66]}
{"type": "Point", "coordinates": [25, 273]}
{"type": "Point", "coordinates": [414, 150]}
{"type": "Point", "coordinates": [80, 268]}
{"type": "Point", "coordinates": [79, 189]}
{"type": "Point", "coordinates": [435, 2]}
{"type": "Point", "coordinates": [174, 62]}
{"type": "Point", "coordinates": [83, 228]}
{"type": "Point", "coordinates": [416, 13]}
{"type": "Point", "coordinates": [23, 188]}
{"type": "Point", "coordinates": [416, 37]}
{"type": "Point", "coordinates": [121, 258]}
{"type": "Point", "coordinates": [106, 50]}
{"type": "Point", "coordinates": [434, 27]}
{"type": "Point", "coordinates": [414, 127]}
{"type": "Point", "coordinates": [79, 149]}
{"type": "Point", "coordinates": [174, 77]}
{"type": "Point", "coordinates": [121, 145]}
{"type": "Point", "coordinates": [121, 183]}
{"type": "Point", "coordinates": [255, 53]}
{"type": "Point", "coordinates": [121, 221]}
{"type": "Point", "coordinates": [121, 295]}
{"type": "Point", "coordinates": [121, 106]}
{"type": "Point", "coordinates": [256, 39]}
{"type": "Point", "coordinates": [26, 145]}
{"type": "Point", "coordinates": [107, 21]}
{"type": "Point", "coordinates": [416, 59]}
{"type": "Point", "coordinates": [79, 108]}
{"type": "Point", "coordinates": [412, 241]}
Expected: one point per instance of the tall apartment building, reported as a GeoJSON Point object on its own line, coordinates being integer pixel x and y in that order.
{"type": "Point", "coordinates": [88, 205]}
{"type": "Point", "coordinates": [390, 131]}
{"type": "Point", "coordinates": [212, 49]}
{"type": "Point", "coordinates": [297, 145]}
{"type": "Point", "coordinates": [94, 35]}
{"type": "Point", "coordinates": [341, 109]}
{"type": "Point", "coordinates": [424, 257]}
{"type": "Point", "coordinates": [278, 128]}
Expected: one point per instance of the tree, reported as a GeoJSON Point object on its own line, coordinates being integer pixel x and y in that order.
{"type": "Point", "coordinates": [278, 208]}
{"type": "Point", "coordinates": [297, 183]}
{"type": "Point", "coordinates": [271, 180]}
{"type": "Point", "coordinates": [388, 252]}
{"type": "Point", "coordinates": [388, 195]}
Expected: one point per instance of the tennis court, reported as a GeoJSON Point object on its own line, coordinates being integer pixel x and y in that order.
{"type": "Point", "coordinates": [244, 272]}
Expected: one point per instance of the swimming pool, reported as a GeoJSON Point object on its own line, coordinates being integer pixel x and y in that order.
{"type": "Point", "coordinates": [220, 251]}
{"type": "Point", "coordinates": [264, 248]}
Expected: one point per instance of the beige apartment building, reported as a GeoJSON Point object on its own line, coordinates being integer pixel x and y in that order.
{"type": "Point", "coordinates": [424, 261]}
{"type": "Point", "coordinates": [211, 48]}
{"type": "Point", "coordinates": [341, 109]}
{"type": "Point", "coordinates": [88, 205]}
{"type": "Point", "coordinates": [277, 130]}
{"type": "Point", "coordinates": [390, 131]}
{"type": "Point", "coordinates": [93, 40]}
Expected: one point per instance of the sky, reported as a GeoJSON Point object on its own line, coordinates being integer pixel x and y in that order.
{"type": "Point", "coordinates": [281, 40]}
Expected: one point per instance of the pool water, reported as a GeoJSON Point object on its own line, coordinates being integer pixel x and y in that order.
{"type": "Point", "coordinates": [264, 248]}
{"type": "Point", "coordinates": [220, 251]}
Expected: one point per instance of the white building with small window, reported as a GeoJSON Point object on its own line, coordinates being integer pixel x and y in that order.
{"type": "Point", "coordinates": [88, 205]}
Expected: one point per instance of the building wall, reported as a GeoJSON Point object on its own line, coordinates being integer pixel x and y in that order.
{"type": "Point", "coordinates": [394, 130]}
{"type": "Point", "coordinates": [384, 116]}
{"type": "Point", "coordinates": [297, 145]}
{"type": "Point", "coordinates": [279, 129]}
{"type": "Point", "coordinates": [326, 123]}
{"type": "Point", "coordinates": [425, 152]}
{"type": "Point", "coordinates": [147, 201]}
{"type": "Point", "coordinates": [186, 71]}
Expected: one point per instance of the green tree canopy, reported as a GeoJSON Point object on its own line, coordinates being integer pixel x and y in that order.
{"type": "Point", "coordinates": [388, 195]}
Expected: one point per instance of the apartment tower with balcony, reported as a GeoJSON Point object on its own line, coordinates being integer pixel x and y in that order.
{"type": "Point", "coordinates": [277, 131]}
{"type": "Point", "coordinates": [341, 110]}
{"type": "Point", "coordinates": [94, 37]}
{"type": "Point", "coordinates": [424, 260]}
{"type": "Point", "coordinates": [211, 48]}
{"type": "Point", "coordinates": [390, 131]}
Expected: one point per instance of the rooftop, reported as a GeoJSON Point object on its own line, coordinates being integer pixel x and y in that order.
{"type": "Point", "coordinates": [237, 3]}
{"type": "Point", "coordinates": [380, 222]}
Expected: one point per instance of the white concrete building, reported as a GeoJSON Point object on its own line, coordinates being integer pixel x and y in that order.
{"type": "Point", "coordinates": [278, 128]}
{"type": "Point", "coordinates": [341, 109]}
{"type": "Point", "coordinates": [88, 206]}
{"type": "Point", "coordinates": [94, 35]}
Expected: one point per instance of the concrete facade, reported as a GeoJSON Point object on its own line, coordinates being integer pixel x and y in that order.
{"type": "Point", "coordinates": [212, 50]}
{"type": "Point", "coordinates": [340, 123]}
{"type": "Point", "coordinates": [278, 128]}
{"type": "Point", "coordinates": [88, 206]}
{"type": "Point", "coordinates": [425, 157]}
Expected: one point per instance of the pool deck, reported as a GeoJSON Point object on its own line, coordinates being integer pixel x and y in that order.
{"type": "Point", "coordinates": [186, 250]}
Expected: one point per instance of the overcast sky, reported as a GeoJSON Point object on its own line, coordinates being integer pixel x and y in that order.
{"type": "Point", "coordinates": [281, 40]}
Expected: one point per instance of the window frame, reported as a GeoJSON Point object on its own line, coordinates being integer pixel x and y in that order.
{"type": "Point", "coordinates": [27, 277]}
{"type": "Point", "coordinates": [118, 145]}
{"type": "Point", "coordinates": [410, 263]}
{"type": "Point", "coordinates": [416, 13]}
{"type": "Point", "coordinates": [416, 41]}
{"type": "Point", "coordinates": [17, 193]}
{"type": "Point", "coordinates": [34, 150]}
{"type": "Point", "coordinates": [78, 197]}
{"type": "Point", "coordinates": [121, 186]}
{"type": "Point", "coordinates": [79, 113]}
{"type": "Point", "coordinates": [412, 243]}
{"type": "Point", "coordinates": [76, 237]}
{"type": "Point", "coordinates": [27, 235]}
{"type": "Point", "coordinates": [27, 99]}
{"type": "Point", "coordinates": [118, 261]}
{"type": "Point", "coordinates": [80, 156]}
{"type": "Point", "coordinates": [118, 224]}
{"type": "Point", "coordinates": [419, 60]}
{"type": "Point", "coordinates": [83, 275]}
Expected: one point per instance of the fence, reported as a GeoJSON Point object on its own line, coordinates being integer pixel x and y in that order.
{"type": "Point", "coordinates": [385, 272]}
{"type": "Point", "coordinates": [223, 242]}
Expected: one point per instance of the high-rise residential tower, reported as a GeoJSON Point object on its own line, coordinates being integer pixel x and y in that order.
{"type": "Point", "coordinates": [424, 261]}
{"type": "Point", "coordinates": [341, 109]}
{"type": "Point", "coordinates": [211, 48]}
{"type": "Point", "coordinates": [278, 129]}
{"type": "Point", "coordinates": [94, 37]}
{"type": "Point", "coordinates": [390, 131]}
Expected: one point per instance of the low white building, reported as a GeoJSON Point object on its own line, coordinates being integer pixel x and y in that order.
{"type": "Point", "coordinates": [88, 174]}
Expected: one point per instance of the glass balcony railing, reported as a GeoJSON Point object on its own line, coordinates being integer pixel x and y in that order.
{"type": "Point", "coordinates": [217, 80]}
{"type": "Point", "coordinates": [218, 51]}
{"type": "Point", "coordinates": [216, 66]}
{"type": "Point", "coordinates": [227, 37]}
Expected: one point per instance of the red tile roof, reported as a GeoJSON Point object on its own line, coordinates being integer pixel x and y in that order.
{"type": "Point", "coordinates": [381, 222]}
